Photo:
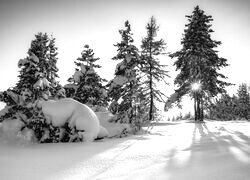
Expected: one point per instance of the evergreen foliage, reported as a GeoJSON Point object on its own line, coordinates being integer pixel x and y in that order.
{"type": "Point", "coordinates": [231, 108]}
{"type": "Point", "coordinates": [37, 81]}
{"type": "Point", "coordinates": [243, 102]}
{"type": "Point", "coordinates": [153, 71]}
{"type": "Point", "coordinates": [86, 86]}
{"type": "Point", "coordinates": [124, 88]}
{"type": "Point", "coordinates": [198, 62]}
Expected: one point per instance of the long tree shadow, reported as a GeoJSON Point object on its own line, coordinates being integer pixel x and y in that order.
{"type": "Point", "coordinates": [212, 155]}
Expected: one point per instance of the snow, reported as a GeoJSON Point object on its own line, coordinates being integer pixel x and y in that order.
{"type": "Point", "coordinates": [76, 114]}
{"type": "Point", "coordinates": [22, 62]}
{"type": "Point", "coordinates": [34, 58]}
{"type": "Point", "coordinates": [83, 69]}
{"type": "Point", "coordinates": [114, 129]}
{"type": "Point", "coordinates": [13, 96]}
{"type": "Point", "coordinates": [4, 110]}
{"type": "Point", "coordinates": [119, 80]}
{"type": "Point", "coordinates": [77, 76]}
{"type": "Point", "coordinates": [120, 66]}
{"type": "Point", "coordinates": [10, 131]}
{"type": "Point", "coordinates": [71, 86]}
{"type": "Point", "coordinates": [172, 151]}
{"type": "Point", "coordinates": [91, 70]}
{"type": "Point", "coordinates": [128, 58]}
{"type": "Point", "coordinates": [42, 83]}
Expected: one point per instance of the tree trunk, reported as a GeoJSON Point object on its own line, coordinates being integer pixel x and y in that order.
{"type": "Point", "coordinates": [151, 105]}
{"type": "Point", "coordinates": [199, 109]}
{"type": "Point", "coordinates": [195, 108]}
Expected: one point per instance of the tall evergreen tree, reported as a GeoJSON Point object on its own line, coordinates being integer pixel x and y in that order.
{"type": "Point", "coordinates": [39, 71]}
{"type": "Point", "coordinates": [152, 69]}
{"type": "Point", "coordinates": [198, 62]}
{"type": "Point", "coordinates": [88, 85]}
{"type": "Point", "coordinates": [123, 88]}
{"type": "Point", "coordinates": [36, 81]}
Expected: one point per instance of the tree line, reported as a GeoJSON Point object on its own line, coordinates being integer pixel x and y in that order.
{"type": "Point", "coordinates": [132, 94]}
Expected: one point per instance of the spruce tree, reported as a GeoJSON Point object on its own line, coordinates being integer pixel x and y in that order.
{"type": "Point", "coordinates": [39, 71]}
{"type": "Point", "coordinates": [123, 89]}
{"type": "Point", "coordinates": [36, 82]}
{"type": "Point", "coordinates": [87, 85]}
{"type": "Point", "coordinates": [198, 62]}
{"type": "Point", "coordinates": [153, 70]}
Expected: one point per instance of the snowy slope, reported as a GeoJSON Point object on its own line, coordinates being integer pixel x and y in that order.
{"type": "Point", "coordinates": [175, 151]}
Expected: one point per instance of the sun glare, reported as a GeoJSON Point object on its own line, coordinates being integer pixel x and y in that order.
{"type": "Point", "coordinates": [196, 86]}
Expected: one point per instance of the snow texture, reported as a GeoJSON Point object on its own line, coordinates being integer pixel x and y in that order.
{"type": "Point", "coordinates": [75, 114]}
{"type": "Point", "coordinates": [34, 58]}
{"type": "Point", "coordinates": [42, 83]}
{"type": "Point", "coordinates": [77, 76]}
{"type": "Point", "coordinates": [10, 132]}
{"type": "Point", "coordinates": [114, 129]}
{"type": "Point", "coordinates": [120, 67]}
{"type": "Point", "coordinates": [171, 151]}
{"type": "Point", "coordinates": [120, 80]}
{"type": "Point", "coordinates": [71, 86]}
{"type": "Point", "coordinates": [83, 69]}
{"type": "Point", "coordinates": [91, 70]}
{"type": "Point", "coordinates": [4, 110]}
{"type": "Point", "coordinates": [22, 62]}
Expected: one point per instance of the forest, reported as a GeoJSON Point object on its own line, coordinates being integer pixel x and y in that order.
{"type": "Point", "coordinates": [131, 96]}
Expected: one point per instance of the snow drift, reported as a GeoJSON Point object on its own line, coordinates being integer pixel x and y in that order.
{"type": "Point", "coordinates": [77, 116]}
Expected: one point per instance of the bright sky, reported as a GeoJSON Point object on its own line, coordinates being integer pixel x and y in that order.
{"type": "Point", "coordinates": [96, 22]}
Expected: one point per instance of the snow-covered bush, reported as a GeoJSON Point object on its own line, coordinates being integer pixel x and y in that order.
{"type": "Point", "coordinates": [114, 129]}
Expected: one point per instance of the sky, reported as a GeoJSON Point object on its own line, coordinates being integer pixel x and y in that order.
{"type": "Point", "coordinates": [96, 22]}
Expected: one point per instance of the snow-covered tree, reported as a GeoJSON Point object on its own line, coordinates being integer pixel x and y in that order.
{"type": "Point", "coordinates": [86, 86]}
{"type": "Point", "coordinates": [36, 81]}
{"type": "Point", "coordinates": [224, 108]}
{"type": "Point", "coordinates": [199, 63]}
{"type": "Point", "coordinates": [153, 70]}
{"type": "Point", "coordinates": [123, 89]}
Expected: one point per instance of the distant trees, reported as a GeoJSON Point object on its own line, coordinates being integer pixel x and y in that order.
{"type": "Point", "coordinates": [198, 62]}
{"type": "Point", "coordinates": [231, 108]}
{"type": "Point", "coordinates": [243, 101]}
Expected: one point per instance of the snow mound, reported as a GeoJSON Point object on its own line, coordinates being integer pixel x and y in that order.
{"type": "Point", "coordinates": [10, 132]}
{"type": "Point", "coordinates": [74, 113]}
{"type": "Point", "coordinates": [114, 129]}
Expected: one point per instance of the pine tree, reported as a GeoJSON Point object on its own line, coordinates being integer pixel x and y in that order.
{"type": "Point", "coordinates": [123, 89]}
{"type": "Point", "coordinates": [87, 85]}
{"type": "Point", "coordinates": [39, 71]}
{"type": "Point", "coordinates": [36, 81]}
{"type": "Point", "coordinates": [152, 69]}
{"type": "Point", "coordinates": [224, 108]}
{"type": "Point", "coordinates": [243, 101]}
{"type": "Point", "coordinates": [198, 62]}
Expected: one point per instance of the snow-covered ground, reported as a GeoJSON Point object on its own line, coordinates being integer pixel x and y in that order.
{"type": "Point", "coordinates": [182, 150]}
